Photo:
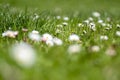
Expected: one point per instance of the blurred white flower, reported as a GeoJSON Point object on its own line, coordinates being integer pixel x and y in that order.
{"type": "Point", "coordinates": [9, 33]}
{"type": "Point", "coordinates": [118, 33]}
{"type": "Point", "coordinates": [86, 21]}
{"type": "Point", "coordinates": [35, 32]}
{"type": "Point", "coordinates": [65, 23]}
{"type": "Point", "coordinates": [95, 48]}
{"type": "Point", "coordinates": [109, 25]}
{"type": "Point", "coordinates": [58, 31]}
{"type": "Point", "coordinates": [66, 18]}
{"type": "Point", "coordinates": [9, 28]}
{"type": "Point", "coordinates": [75, 48]}
{"type": "Point", "coordinates": [34, 35]}
{"type": "Point", "coordinates": [84, 31]}
{"type": "Point", "coordinates": [92, 26]}
{"type": "Point", "coordinates": [23, 54]}
{"type": "Point", "coordinates": [50, 43]}
{"type": "Point", "coordinates": [108, 19]}
{"type": "Point", "coordinates": [36, 16]}
{"type": "Point", "coordinates": [90, 19]}
{"type": "Point", "coordinates": [103, 24]}
{"type": "Point", "coordinates": [59, 26]}
{"type": "Point", "coordinates": [58, 17]}
{"type": "Point", "coordinates": [107, 28]}
{"type": "Point", "coordinates": [100, 21]}
{"type": "Point", "coordinates": [74, 37]}
{"type": "Point", "coordinates": [47, 37]}
{"type": "Point", "coordinates": [80, 24]}
{"type": "Point", "coordinates": [24, 29]}
{"type": "Point", "coordinates": [96, 14]}
{"type": "Point", "coordinates": [104, 37]}
{"type": "Point", "coordinates": [57, 41]}
{"type": "Point", "coordinates": [118, 25]}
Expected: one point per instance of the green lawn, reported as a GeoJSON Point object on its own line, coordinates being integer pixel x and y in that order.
{"type": "Point", "coordinates": [58, 62]}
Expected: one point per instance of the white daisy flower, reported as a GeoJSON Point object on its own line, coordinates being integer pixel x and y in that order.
{"type": "Point", "coordinates": [118, 33]}
{"type": "Point", "coordinates": [95, 48]}
{"type": "Point", "coordinates": [80, 25]}
{"type": "Point", "coordinates": [100, 21]}
{"type": "Point", "coordinates": [92, 26]}
{"type": "Point", "coordinates": [9, 33]}
{"type": "Point", "coordinates": [104, 37]}
{"type": "Point", "coordinates": [23, 54]}
{"type": "Point", "coordinates": [75, 48]}
{"type": "Point", "coordinates": [47, 37]}
{"type": "Point", "coordinates": [74, 37]}
{"type": "Point", "coordinates": [96, 14]}
{"type": "Point", "coordinates": [103, 24]}
{"type": "Point", "coordinates": [57, 41]}
{"type": "Point", "coordinates": [50, 43]}
{"type": "Point", "coordinates": [66, 18]}
{"type": "Point", "coordinates": [34, 35]}
{"type": "Point", "coordinates": [58, 17]}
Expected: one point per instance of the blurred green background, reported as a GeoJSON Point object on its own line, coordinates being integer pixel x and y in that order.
{"type": "Point", "coordinates": [82, 5]}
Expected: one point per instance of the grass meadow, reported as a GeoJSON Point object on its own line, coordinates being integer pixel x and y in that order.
{"type": "Point", "coordinates": [59, 40]}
